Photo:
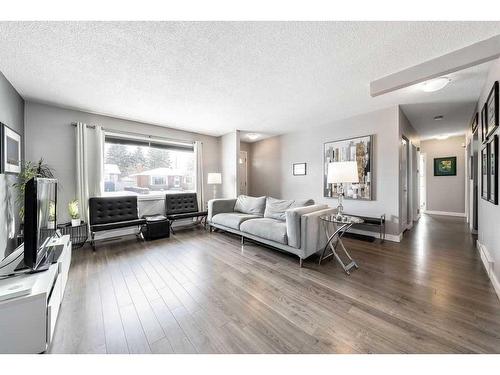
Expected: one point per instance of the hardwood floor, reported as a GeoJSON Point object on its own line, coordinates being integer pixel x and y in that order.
{"type": "Point", "coordinates": [201, 292]}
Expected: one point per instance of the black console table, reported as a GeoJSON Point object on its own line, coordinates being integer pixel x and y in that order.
{"type": "Point", "coordinates": [373, 221]}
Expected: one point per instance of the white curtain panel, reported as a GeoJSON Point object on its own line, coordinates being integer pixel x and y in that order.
{"type": "Point", "coordinates": [99, 162]}
{"type": "Point", "coordinates": [198, 149]}
{"type": "Point", "coordinates": [82, 173]}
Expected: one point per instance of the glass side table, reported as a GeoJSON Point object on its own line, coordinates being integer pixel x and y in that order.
{"type": "Point", "coordinates": [335, 227]}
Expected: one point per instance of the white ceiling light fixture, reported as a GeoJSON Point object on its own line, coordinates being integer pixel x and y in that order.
{"type": "Point", "coordinates": [253, 136]}
{"type": "Point", "coordinates": [435, 84]}
{"type": "Point", "coordinates": [442, 137]}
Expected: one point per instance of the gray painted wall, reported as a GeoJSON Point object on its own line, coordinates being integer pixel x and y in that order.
{"type": "Point", "coordinates": [445, 193]}
{"type": "Point", "coordinates": [272, 159]}
{"type": "Point", "coordinates": [49, 134]}
{"type": "Point", "coordinates": [12, 115]}
{"type": "Point", "coordinates": [489, 233]}
{"type": "Point", "coordinates": [229, 154]}
{"type": "Point", "coordinates": [265, 167]}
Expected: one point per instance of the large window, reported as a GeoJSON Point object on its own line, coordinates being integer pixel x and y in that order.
{"type": "Point", "coordinates": [146, 168]}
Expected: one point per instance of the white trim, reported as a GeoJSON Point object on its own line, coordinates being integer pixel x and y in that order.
{"type": "Point", "coordinates": [488, 264]}
{"type": "Point", "coordinates": [445, 213]}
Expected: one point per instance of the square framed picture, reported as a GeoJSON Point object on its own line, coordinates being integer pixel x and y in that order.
{"type": "Point", "coordinates": [493, 169]}
{"type": "Point", "coordinates": [445, 166]}
{"type": "Point", "coordinates": [484, 172]}
{"type": "Point", "coordinates": [10, 150]}
{"type": "Point", "coordinates": [299, 169]}
{"type": "Point", "coordinates": [492, 110]}
{"type": "Point", "coordinates": [483, 123]}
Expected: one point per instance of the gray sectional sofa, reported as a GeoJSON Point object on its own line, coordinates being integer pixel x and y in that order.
{"type": "Point", "coordinates": [289, 225]}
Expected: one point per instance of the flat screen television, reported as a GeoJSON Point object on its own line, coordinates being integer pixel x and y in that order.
{"type": "Point", "coordinates": [40, 203]}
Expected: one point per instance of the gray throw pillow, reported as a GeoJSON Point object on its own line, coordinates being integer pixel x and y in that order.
{"type": "Point", "coordinates": [250, 205]}
{"type": "Point", "coordinates": [275, 208]}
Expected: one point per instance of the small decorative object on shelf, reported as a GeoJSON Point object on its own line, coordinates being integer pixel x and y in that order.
{"type": "Point", "coordinates": [78, 234]}
{"type": "Point", "coordinates": [74, 212]}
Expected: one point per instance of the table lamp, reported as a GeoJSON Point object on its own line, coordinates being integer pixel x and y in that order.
{"type": "Point", "coordinates": [214, 179]}
{"type": "Point", "coordinates": [341, 172]}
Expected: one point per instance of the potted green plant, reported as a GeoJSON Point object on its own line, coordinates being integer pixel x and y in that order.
{"type": "Point", "coordinates": [74, 212]}
{"type": "Point", "coordinates": [51, 224]}
{"type": "Point", "coordinates": [28, 171]}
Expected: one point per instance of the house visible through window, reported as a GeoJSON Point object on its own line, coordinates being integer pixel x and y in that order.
{"type": "Point", "coordinates": [144, 168]}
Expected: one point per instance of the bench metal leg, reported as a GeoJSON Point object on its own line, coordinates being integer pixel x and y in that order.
{"type": "Point", "coordinates": [301, 262]}
{"type": "Point", "coordinates": [92, 241]}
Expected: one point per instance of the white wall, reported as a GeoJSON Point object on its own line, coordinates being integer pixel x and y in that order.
{"type": "Point", "coordinates": [488, 230]}
{"type": "Point", "coordinates": [49, 134]}
{"type": "Point", "coordinates": [445, 193]}
{"type": "Point", "coordinates": [229, 154]}
{"type": "Point", "coordinates": [12, 115]}
{"type": "Point", "coordinates": [265, 167]}
{"type": "Point", "coordinates": [272, 161]}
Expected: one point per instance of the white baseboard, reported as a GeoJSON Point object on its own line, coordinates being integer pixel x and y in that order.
{"type": "Point", "coordinates": [445, 213]}
{"type": "Point", "coordinates": [488, 264]}
{"type": "Point", "coordinates": [388, 237]}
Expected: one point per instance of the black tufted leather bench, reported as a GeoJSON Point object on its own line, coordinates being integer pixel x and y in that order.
{"type": "Point", "coordinates": [108, 213]}
{"type": "Point", "coordinates": [183, 206]}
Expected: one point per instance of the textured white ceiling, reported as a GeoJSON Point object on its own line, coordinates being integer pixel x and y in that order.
{"type": "Point", "coordinates": [215, 77]}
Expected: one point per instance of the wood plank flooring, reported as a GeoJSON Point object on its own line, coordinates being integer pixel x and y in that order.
{"type": "Point", "coordinates": [201, 292]}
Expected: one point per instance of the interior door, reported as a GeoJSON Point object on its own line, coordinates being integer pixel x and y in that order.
{"type": "Point", "coordinates": [475, 179]}
{"type": "Point", "coordinates": [243, 188]}
{"type": "Point", "coordinates": [404, 183]}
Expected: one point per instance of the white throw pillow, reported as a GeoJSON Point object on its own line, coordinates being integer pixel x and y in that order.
{"type": "Point", "coordinates": [276, 208]}
{"type": "Point", "coordinates": [250, 205]}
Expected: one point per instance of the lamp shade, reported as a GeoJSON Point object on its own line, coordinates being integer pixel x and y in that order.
{"type": "Point", "coordinates": [214, 178]}
{"type": "Point", "coordinates": [342, 171]}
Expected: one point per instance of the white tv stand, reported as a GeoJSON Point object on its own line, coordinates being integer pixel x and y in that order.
{"type": "Point", "coordinates": [27, 322]}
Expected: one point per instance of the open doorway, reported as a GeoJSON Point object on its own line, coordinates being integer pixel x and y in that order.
{"type": "Point", "coordinates": [243, 173]}
{"type": "Point", "coordinates": [474, 170]}
{"type": "Point", "coordinates": [406, 221]}
{"type": "Point", "coordinates": [422, 181]}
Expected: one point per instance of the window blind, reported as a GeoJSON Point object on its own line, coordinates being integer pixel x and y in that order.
{"type": "Point", "coordinates": [154, 143]}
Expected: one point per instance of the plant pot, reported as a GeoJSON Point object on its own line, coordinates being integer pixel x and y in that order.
{"type": "Point", "coordinates": [75, 222]}
{"type": "Point", "coordinates": [51, 225]}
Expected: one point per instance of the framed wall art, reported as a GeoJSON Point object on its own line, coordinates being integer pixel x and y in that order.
{"type": "Point", "coordinates": [475, 123]}
{"type": "Point", "coordinates": [493, 169]}
{"type": "Point", "coordinates": [483, 124]}
{"type": "Point", "coordinates": [484, 172]}
{"type": "Point", "coordinates": [359, 149]}
{"type": "Point", "coordinates": [299, 169]}
{"type": "Point", "coordinates": [10, 150]}
{"type": "Point", "coordinates": [492, 110]}
{"type": "Point", "coordinates": [445, 166]}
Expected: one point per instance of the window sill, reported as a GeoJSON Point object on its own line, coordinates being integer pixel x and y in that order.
{"type": "Point", "coordinates": [151, 197]}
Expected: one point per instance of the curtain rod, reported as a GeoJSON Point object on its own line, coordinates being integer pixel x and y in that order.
{"type": "Point", "coordinates": [137, 134]}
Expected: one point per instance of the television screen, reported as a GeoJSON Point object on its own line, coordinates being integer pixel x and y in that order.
{"type": "Point", "coordinates": [39, 219]}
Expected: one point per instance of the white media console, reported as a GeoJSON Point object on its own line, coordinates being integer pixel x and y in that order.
{"type": "Point", "coordinates": [27, 322]}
